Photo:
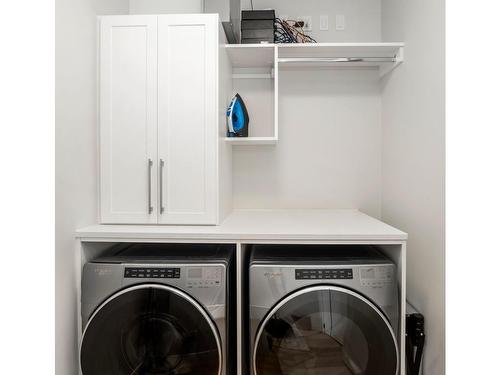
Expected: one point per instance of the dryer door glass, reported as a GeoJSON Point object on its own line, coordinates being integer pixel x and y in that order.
{"type": "Point", "coordinates": [325, 330]}
{"type": "Point", "coordinates": [150, 330]}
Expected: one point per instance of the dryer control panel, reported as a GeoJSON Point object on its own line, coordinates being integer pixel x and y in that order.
{"type": "Point", "coordinates": [152, 273]}
{"type": "Point", "coordinates": [323, 274]}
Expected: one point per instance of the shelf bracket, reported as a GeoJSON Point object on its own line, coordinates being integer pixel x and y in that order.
{"type": "Point", "coordinates": [398, 59]}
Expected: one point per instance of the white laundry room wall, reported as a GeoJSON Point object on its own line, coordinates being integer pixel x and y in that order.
{"type": "Point", "coordinates": [413, 158]}
{"type": "Point", "coordinates": [76, 155]}
{"type": "Point", "coordinates": [165, 6]}
{"type": "Point", "coordinates": [329, 149]}
{"type": "Point", "coordinates": [362, 17]}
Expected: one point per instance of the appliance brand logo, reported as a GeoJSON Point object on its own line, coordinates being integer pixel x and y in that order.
{"type": "Point", "coordinates": [273, 275]}
{"type": "Point", "coordinates": [102, 271]}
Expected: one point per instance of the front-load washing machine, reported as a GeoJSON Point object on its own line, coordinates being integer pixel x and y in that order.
{"type": "Point", "coordinates": [322, 310]}
{"type": "Point", "coordinates": [157, 309]}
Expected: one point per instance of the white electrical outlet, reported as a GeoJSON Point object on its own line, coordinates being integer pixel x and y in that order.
{"type": "Point", "coordinates": [323, 22]}
{"type": "Point", "coordinates": [307, 22]}
{"type": "Point", "coordinates": [340, 22]}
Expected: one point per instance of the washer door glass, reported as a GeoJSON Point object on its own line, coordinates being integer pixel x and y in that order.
{"type": "Point", "coordinates": [325, 330]}
{"type": "Point", "coordinates": [150, 330]}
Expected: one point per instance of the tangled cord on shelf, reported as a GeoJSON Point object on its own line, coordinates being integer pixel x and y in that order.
{"type": "Point", "coordinates": [290, 31]}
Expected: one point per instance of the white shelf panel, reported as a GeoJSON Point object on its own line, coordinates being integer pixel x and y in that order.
{"type": "Point", "coordinates": [251, 55]}
{"type": "Point", "coordinates": [382, 56]}
{"type": "Point", "coordinates": [252, 140]}
{"type": "Point", "coordinates": [353, 50]}
{"type": "Point", "coordinates": [260, 225]}
{"type": "Point", "coordinates": [262, 55]}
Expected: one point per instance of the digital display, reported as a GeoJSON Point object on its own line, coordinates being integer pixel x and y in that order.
{"type": "Point", "coordinates": [376, 276]}
{"type": "Point", "coordinates": [195, 273]}
{"type": "Point", "coordinates": [368, 273]}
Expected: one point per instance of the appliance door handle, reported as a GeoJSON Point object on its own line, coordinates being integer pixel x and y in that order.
{"type": "Point", "coordinates": [150, 175]}
{"type": "Point", "coordinates": [162, 207]}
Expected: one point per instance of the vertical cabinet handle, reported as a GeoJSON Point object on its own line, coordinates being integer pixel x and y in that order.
{"type": "Point", "coordinates": [162, 207]}
{"type": "Point", "coordinates": [150, 167]}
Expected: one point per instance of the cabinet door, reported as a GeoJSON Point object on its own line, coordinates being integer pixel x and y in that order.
{"type": "Point", "coordinates": [128, 120]}
{"type": "Point", "coordinates": [187, 118]}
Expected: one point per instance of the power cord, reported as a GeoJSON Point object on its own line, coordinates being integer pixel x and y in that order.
{"type": "Point", "coordinates": [415, 340]}
{"type": "Point", "coordinates": [290, 31]}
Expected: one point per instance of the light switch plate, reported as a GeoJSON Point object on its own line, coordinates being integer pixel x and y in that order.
{"type": "Point", "coordinates": [323, 22]}
{"type": "Point", "coordinates": [340, 22]}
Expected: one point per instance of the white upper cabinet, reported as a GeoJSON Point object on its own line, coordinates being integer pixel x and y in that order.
{"type": "Point", "coordinates": [187, 118]}
{"type": "Point", "coordinates": [159, 119]}
{"type": "Point", "coordinates": [128, 120]}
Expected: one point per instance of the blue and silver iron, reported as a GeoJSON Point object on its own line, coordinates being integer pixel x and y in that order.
{"type": "Point", "coordinates": [237, 118]}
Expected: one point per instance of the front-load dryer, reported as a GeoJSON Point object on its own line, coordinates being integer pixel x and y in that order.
{"type": "Point", "coordinates": [157, 309]}
{"type": "Point", "coordinates": [322, 310]}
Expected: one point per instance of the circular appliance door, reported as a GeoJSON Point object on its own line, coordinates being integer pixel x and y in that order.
{"type": "Point", "coordinates": [151, 330]}
{"type": "Point", "coordinates": [324, 330]}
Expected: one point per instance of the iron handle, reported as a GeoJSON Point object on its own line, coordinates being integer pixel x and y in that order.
{"type": "Point", "coordinates": [162, 207]}
{"type": "Point", "coordinates": [150, 167]}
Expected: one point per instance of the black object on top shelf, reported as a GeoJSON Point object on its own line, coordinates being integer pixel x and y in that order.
{"type": "Point", "coordinates": [267, 14]}
{"type": "Point", "coordinates": [257, 26]}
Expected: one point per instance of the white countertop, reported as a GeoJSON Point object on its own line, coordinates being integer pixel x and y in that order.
{"type": "Point", "coordinates": [311, 225]}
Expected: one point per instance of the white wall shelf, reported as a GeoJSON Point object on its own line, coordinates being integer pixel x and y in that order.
{"type": "Point", "coordinates": [251, 55]}
{"type": "Point", "coordinates": [339, 49]}
{"type": "Point", "coordinates": [255, 70]}
{"type": "Point", "coordinates": [249, 141]}
{"type": "Point", "coordinates": [254, 73]}
{"type": "Point", "coordinates": [384, 56]}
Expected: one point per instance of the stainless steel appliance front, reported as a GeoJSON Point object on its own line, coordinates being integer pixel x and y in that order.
{"type": "Point", "coordinates": [325, 318]}
{"type": "Point", "coordinates": [156, 318]}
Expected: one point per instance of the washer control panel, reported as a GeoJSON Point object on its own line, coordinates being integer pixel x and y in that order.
{"type": "Point", "coordinates": [323, 274]}
{"type": "Point", "coordinates": [152, 273]}
{"type": "Point", "coordinates": [377, 276]}
{"type": "Point", "coordinates": [203, 277]}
